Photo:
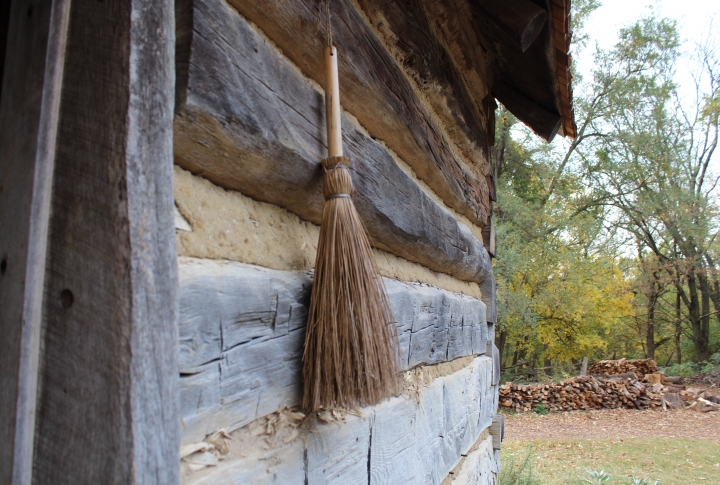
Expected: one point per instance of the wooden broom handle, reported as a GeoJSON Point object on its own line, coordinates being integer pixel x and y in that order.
{"type": "Point", "coordinates": [332, 103]}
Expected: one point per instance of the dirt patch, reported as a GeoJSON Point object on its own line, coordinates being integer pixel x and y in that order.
{"type": "Point", "coordinates": [615, 423]}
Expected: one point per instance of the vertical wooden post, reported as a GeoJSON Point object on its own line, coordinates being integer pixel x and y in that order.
{"type": "Point", "coordinates": [583, 371]}
{"type": "Point", "coordinates": [107, 404]}
{"type": "Point", "coordinates": [32, 79]}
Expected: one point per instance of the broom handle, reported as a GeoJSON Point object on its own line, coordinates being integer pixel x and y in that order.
{"type": "Point", "coordinates": [332, 103]}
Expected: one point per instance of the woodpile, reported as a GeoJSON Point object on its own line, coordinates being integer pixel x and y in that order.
{"type": "Point", "coordinates": [581, 393]}
{"type": "Point", "coordinates": [623, 366]}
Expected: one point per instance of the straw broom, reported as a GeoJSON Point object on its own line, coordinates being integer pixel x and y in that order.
{"type": "Point", "coordinates": [350, 346]}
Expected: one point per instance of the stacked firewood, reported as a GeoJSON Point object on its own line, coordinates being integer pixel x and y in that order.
{"type": "Point", "coordinates": [624, 366]}
{"type": "Point", "coordinates": [581, 393]}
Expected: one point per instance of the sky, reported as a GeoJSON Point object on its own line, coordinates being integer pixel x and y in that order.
{"type": "Point", "coordinates": [695, 18]}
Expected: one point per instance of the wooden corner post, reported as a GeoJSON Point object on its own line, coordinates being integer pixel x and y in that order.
{"type": "Point", "coordinates": [107, 382]}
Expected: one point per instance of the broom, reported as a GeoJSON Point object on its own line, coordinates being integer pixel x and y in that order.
{"type": "Point", "coordinates": [350, 346]}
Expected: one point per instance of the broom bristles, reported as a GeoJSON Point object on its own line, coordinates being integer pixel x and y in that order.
{"type": "Point", "coordinates": [350, 346]}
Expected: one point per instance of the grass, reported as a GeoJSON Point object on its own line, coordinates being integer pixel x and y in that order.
{"type": "Point", "coordinates": [672, 461]}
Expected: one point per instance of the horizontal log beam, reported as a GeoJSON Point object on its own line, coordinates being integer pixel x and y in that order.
{"type": "Point", "coordinates": [405, 27]}
{"type": "Point", "coordinates": [242, 330]}
{"type": "Point", "coordinates": [542, 121]}
{"type": "Point", "coordinates": [418, 438]}
{"type": "Point", "coordinates": [249, 121]}
{"type": "Point", "coordinates": [375, 90]}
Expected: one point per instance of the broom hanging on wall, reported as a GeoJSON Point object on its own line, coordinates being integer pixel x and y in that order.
{"type": "Point", "coordinates": [350, 346]}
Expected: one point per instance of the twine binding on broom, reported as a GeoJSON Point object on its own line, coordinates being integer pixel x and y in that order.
{"type": "Point", "coordinates": [351, 341]}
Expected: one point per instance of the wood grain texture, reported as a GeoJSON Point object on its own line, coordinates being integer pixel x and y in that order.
{"type": "Point", "coordinates": [108, 408]}
{"type": "Point", "coordinates": [37, 33]}
{"type": "Point", "coordinates": [242, 332]}
{"type": "Point", "coordinates": [520, 20]}
{"type": "Point", "coordinates": [490, 239]}
{"type": "Point", "coordinates": [404, 440]}
{"type": "Point", "coordinates": [251, 122]}
{"type": "Point", "coordinates": [497, 59]}
{"type": "Point", "coordinates": [373, 88]}
{"type": "Point", "coordinates": [406, 30]}
{"type": "Point", "coordinates": [541, 120]}
{"type": "Point", "coordinates": [480, 467]}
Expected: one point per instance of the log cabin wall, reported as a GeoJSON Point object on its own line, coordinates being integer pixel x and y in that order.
{"type": "Point", "coordinates": [106, 323]}
{"type": "Point", "coordinates": [418, 82]}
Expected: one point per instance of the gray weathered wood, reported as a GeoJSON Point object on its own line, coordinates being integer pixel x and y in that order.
{"type": "Point", "coordinates": [490, 239]}
{"type": "Point", "coordinates": [251, 122]}
{"type": "Point", "coordinates": [107, 407]}
{"type": "Point", "coordinates": [487, 288]}
{"type": "Point", "coordinates": [496, 365]}
{"type": "Point", "coordinates": [480, 467]}
{"type": "Point", "coordinates": [497, 431]}
{"type": "Point", "coordinates": [32, 80]}
{"type": "Point", "coordinates": [375, 90]}
{"type": "Point", "coordinates": [242, 330]}
{"type": "Point", "coordinates": [410, 439]}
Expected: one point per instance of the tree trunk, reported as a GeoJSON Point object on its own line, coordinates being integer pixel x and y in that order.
{"type": "Point", "coordinates": [700, 341]}
{"type": "Point", "coordinates": [650, 326]}
{"type": "Point", "coordinates": [678, 330]}
{"type": "Point", "coordinates": [500, 339]}
{"type": "Point", "coordinates": [715, 288]}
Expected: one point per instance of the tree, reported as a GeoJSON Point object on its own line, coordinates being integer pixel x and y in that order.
{"type": "Point", "coordinates": [652, 164]}
{"type": "Point", "coordinates": [636, 180]}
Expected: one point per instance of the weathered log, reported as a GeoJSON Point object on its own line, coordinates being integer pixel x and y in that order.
{"type": "Point", "coordinates": [541, 120]}
{"type": "Point", "coordinates": [520, 20]}
{"type": "Point", "coordinates": [533, 73]}
{"type": "Point", "coordinates": [28, 127]}
{"type": "Point", "coordinates": [242, 330]}
{"type": "Point", "coordinates": [406, 29]}
{"type": "Point", "coordinates": [376, 91]}
{"type": "Point", "coordinates": [387, 443]}
{"type": "Point", "coordinates": [107, 409]}
{"type": "Point", "coordinates": [249, 121]}
{"type": "Point", "coordinates": [490, 239]}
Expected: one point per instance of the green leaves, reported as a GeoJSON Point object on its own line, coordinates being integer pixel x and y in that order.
{"type": "Point", "coordinates": [576, 219]}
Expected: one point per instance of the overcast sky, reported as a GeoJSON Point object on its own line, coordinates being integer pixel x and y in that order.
{"type": "Point", "coordinates": [694, 19]}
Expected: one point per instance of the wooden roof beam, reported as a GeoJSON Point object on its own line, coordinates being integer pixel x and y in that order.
{"type": "Point", "coordinates": [522, 20]}
{"type": "Point", "coordinates": [541, 120]}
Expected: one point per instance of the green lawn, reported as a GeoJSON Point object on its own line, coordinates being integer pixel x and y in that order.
{"type": "Point", "coordinates": [672, 461]}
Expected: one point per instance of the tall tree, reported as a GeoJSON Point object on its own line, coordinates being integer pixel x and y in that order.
{"type": "Point", "coordinates": [652, 164]}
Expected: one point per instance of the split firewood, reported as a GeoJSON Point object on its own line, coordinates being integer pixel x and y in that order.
{"type": "Point", "coordinates": [581, 393]}
{"type": "Point", "coordinates": [622, 366]}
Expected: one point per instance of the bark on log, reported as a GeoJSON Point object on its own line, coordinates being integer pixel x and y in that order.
{"type": "Point", "coordinates": [376, 91]}
{"type": "Point", "coordinates": [249, 121]}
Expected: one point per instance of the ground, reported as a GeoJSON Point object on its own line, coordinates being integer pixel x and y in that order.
{"type": "Point", "coordinates": [675, 447]}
